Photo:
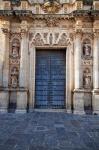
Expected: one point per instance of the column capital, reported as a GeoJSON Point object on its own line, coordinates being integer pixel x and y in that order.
{"type": "Point", "coordinates": [6, 31]}
{"type": "Point", "coordinates": [23, 33]}
{"type": "Point", "coordinates": [96, 33]}
{"type": "Point", "coordinates": [78, 33]}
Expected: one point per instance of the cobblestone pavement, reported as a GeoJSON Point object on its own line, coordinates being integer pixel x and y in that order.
{"type": "Point", "coordinates": [49, 131]}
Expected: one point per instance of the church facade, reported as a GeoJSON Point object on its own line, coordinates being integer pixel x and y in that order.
{"type": "Point", "coordinates": [49, 55]}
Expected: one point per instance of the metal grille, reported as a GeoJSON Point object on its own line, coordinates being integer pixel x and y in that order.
{"type": "Point", "coordinates": [50, 79]}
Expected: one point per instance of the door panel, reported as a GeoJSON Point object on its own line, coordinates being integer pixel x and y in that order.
{"type": "Point", "coordinates": [50, 79]}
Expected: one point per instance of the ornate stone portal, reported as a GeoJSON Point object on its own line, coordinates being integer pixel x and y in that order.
{"type": "Point", "coordinates": [28, 27]}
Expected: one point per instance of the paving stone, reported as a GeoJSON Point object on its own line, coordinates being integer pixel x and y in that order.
{"type": "Point", "coordinates": [49, 131]}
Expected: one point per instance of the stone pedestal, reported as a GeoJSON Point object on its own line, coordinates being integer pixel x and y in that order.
{"type": "Point", "coordinates": [22, 97]}
{"type": "Point", "coordinates": [82, 101]}
{"type": "Point", "coordinates": [95, 101]}
{"type": "Point", "coordinates": [78, 102]}
{"type": "Point", "coordinates": [4, 99]}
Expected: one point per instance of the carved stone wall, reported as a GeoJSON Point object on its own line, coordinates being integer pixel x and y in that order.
{"type": "Point", "coordinates": [61, 39]}
{"type": "Point", "coordinates": [87, 63]}
{"type": "Point", "coordinates": [14, 63]}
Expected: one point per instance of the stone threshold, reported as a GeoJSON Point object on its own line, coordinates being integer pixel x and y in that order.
{"type": "Point", "coordinates": [50, 110]}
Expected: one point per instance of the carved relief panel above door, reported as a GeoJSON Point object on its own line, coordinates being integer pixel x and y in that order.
{"type": "Point", "coordinates": [50, 38]}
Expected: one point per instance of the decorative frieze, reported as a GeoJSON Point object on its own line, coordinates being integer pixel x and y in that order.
{"type": "Point", "coordinates": [51, 39]}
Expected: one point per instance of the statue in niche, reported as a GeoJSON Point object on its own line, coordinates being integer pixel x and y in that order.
{"type": "Point", "coordinates": [14, 71]}
{"type": "Point", "coordinates": [15, 51]}
{"type": "Point", "coordinates": [87, 81]}
{"type": "Point", "coordinates": [14, 81]}
{"type": "Point", "coordinates": [86, 78]}
{"type": "Point", "coordinates": [86, 50]}
{"type": "Point", "coordinates": [87, 71]}
{"type": "Point", "coordinates": [15, 48]}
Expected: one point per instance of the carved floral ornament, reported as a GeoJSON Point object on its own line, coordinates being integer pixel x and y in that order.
{"type": "Point", "coordinates": [50, 39]}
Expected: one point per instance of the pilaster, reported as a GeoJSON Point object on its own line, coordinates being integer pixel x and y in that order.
{"type": "Point", "coordinates": [4, 65]}
{"type": "Point", "coordinates": [95, 101]}
{"type": "Point", "coordinates": [78, 101]}
{"type": "Point", "coordinates": [6, 41]}
{"type": "Point", "coordinates": [22, 95]}
{"type": "Point", "coordinates": [32, 77]}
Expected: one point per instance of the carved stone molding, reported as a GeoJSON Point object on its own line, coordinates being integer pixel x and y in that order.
{"type": "Point", "coordinates": [96, 34]}
{"type": "Point", "coordinates": [6, 31]}
{"type": "Point", "coordinates": [23, 33]}
{"type": "Point", "coordinates": [50, 39]}
{"type": "Point", "coordinates": [51, 21]}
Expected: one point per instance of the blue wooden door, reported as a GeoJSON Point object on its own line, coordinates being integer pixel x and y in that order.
{"type": "Point", "coordinates": [50, 79]}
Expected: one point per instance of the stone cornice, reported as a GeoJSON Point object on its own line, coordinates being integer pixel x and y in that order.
{"type": "Point", "coordinates": [27, 14]}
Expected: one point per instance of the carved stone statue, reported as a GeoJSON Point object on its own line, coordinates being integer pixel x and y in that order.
{"type": "Point", "coordinates": [15, 51]}
{"type": "Point", "coordinates": [15, 48]}
{"type": "Point", "coordinates": [14, 81]}
{"type": "Point", "coordinates": [86, 50]}
{"type": "Point", "coordinates": [14, 71]}
{"type": "Point", "coordinates": [87, 81]}
{"type": "Point", "coordinates": [87, 78]}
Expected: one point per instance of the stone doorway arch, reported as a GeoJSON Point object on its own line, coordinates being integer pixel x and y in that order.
{"type": "Point", "coordinates": [51, 40]}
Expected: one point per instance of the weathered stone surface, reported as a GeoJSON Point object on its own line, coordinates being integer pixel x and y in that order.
{"type": "Point", "coordinates": [48, 131]}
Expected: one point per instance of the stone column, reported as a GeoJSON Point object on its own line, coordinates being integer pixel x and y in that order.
{"type": "Point", "coordinates": [77, 61]}
{"type": "Point", "coordinates": [78, 95]}
{"type": "Point", "coordinates": [69, 77]}
{"type": "Point", "coordinates": [23, 60]}
{"type": "Point", "coordinates": [4, 66]}
{"type": "Point", "coordinates": [6, 58]}
{"type": "Point", "coordinates": [32, 78]}
{"type": "Point", "coordinates": [96, 73]}
{"type": "Point", "coordinates": [96, 61]}
{"type": "Point", "coordinates": [22, 94]}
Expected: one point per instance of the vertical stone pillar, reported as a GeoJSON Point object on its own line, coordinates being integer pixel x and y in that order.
{"type": "Point", "coordinates": [22, 94]}
{"type": "Point", "coordinates": [6, 58]}
{"type": "Point", "coordinates": [69, 77]}
{"type": "Point", "coordinates": [23, 60]}
{"type": "Point", "coordinates": [78, 95]}
{"type": "Point", "coordinates": [96, 61]}
{"type": "Point", "coordinates": [32, 78]}
{"type": "Point", "coordinates": [2, 52]}
{"type": "Point", "coordinates": [77, 61]}
{"type": "Point", "coordinates": [95, 102]}
{"type": "Point", "coordinates": [4, 66]}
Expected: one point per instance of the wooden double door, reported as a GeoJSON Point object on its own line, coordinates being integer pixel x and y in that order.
{"type": "Point", "coordinates": [50, 79]}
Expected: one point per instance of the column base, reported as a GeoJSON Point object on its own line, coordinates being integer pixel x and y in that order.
{"type": "Point", "coordinates": [3, 110]}
{"type": "Point", "coordinates": [79, 112]}
{"type": "Point", "coordinates": [4, 100]}
{"type": "Point", "coordinates": [95, 101]}
{"type": "Point", "coordinates": [21, 105]}
{"type": "Point", "coordinates": [21, 111]}
{"type": "Point", "coordinates": [96, 112]}
{"type": "Point", "coordinates": [31, 110]}
{"type": "Point", "coordinates": [78, 102]}
{"type": "Point", "coordinates": [69, 111]}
